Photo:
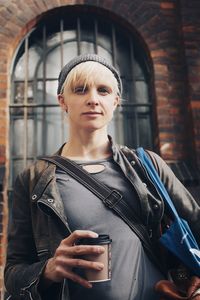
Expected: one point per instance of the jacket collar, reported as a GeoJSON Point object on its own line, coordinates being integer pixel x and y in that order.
{"type": "Point", "coordinates": [113, 145]}
{"type": "Point", "coordinates": [49, 172]}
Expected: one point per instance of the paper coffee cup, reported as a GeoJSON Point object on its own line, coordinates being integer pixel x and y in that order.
{"type": "Point", "coordinates": [105, 258]}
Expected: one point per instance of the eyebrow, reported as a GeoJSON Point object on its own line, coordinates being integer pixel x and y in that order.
{"type": "Point", "coordinates": [106, 86]}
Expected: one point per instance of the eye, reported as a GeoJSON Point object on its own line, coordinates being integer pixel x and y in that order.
{"type": "Point", "coordinates": [80, 89]}
{"type": "Point", "coordinates": [104, 90]}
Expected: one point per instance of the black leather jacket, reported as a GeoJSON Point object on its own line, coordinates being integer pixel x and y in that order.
{"type": "Point", "coordinates": [38, 222]}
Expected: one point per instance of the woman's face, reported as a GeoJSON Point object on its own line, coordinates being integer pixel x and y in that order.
{"type": "Point", "coordinates": [90, 104]}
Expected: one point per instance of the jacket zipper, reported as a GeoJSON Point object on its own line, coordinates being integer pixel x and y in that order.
{"type": "Point", "coordinates": [63, 222]}
{"type": "Point", "coordinates": [27, 287]}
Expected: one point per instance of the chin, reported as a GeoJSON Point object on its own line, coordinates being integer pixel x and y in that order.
{"type": "Point", "coordinates": [94, 128]}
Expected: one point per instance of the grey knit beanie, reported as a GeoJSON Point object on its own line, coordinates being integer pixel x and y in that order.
{"type": "Point", "coordinates": [83, 58]}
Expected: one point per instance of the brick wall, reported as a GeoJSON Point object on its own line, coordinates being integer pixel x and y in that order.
{"type": "Point", "coordinates": [190, 12]}
{"type": "Point", "coordinates": [169, 30]}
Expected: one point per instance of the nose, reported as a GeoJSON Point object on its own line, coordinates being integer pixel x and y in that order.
{"type": "Point", "coordinates": [92, 98]}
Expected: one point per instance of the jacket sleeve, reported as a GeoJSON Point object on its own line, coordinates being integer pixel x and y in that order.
{"type": "Point", "coordinates": [23, 268]}
{"type": "Point", "coordinates": [186, 205]}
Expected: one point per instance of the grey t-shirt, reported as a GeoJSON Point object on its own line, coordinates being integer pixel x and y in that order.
{"type": "Point", "coordinates": [133, 274]}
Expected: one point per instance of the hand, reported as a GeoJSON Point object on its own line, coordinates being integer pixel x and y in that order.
{"type": "Point", "coordinates": [61, 265]}
{"type": "Point", "coordinates": [194, 288]}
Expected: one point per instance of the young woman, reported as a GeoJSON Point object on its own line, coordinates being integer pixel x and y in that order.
{"type": "Point", "coordinates": [52, 211]}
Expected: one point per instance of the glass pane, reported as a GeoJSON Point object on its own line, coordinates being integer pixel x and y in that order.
{"type": "Point", "coordinates": [87, 30]}
{"type": "Point", "coordinates": [69, 51]}
{"type": "Point", "coordinates": [138, 71]}
{"type": "Point", "coordinates": [104, 36]}
{"type": "Point", "coordinates": [145, 131]}
{"type": "Point", "coordinates": [130, 128]}
{"type": "Point", "coordinates": [18, 92]}
{"type": "Point", "coordinates": [87, 47]}
{"type": "Point", "coordinates": [17, 137]}
{"type": "Point", "coordinates": [137, 126]}
{"type": "Point", "coordinates": [116, 127]}
{"type": "Point", "coordinates": [112, 130]}
{"type": "Point", "coordinates": [18, 167]}
{"type": "Point", "coordinates": [53, 60]}
{"type": "Point", "coordinates": [127, 92]}
{"type": "Point", "coordinates": [39, 92]}
{"type": "Point", "coordinates": [55, 38]}
{"type": "Point", "coordinates": [141, 92]}
{"type": "Point", "coordinates": [46, 131]}
{"type": "Point", "coordinates": [105, 53]}
{"type": "Point", "coordinates": [123, 55]}
{"type": "Point", "coordinates": [51, 129]}
{"type": "Point", "coordinates": [33, 58]}
{"type": "Point", "coordinates": [51, 92]}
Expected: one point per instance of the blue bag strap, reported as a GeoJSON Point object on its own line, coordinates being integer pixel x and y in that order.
{"type": "Point", "coordinates": [153, 174]}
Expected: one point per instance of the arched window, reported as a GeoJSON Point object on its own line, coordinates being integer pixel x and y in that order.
{"type": "Point", "coordinates": [38, 126]}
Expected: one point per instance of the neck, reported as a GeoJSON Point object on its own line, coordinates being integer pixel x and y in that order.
{"type": "Point", "coordinates": [87, 147]}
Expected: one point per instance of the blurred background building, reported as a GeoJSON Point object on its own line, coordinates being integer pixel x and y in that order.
{"type": "Point", "coordinates": [154, 44]}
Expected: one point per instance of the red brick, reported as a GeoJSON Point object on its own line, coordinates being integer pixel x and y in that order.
{"type": "Point", "coordinates": [167, 5]}
{"type": "Point", "coordinates": [158, 53]}
{"type": "Point", "coordinates": [161, 68]}
{"type": "Point", "coordinates": [3, 85]}
{"type": "Point", "coordinates": [195, 104]}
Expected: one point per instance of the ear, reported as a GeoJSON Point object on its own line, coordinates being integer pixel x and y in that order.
{"type": "Point", "coordinates": [117, 101]}
{"type": "Point", "coordinates": [62, 103]}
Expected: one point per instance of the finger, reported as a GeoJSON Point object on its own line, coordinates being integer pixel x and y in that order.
{"type": "Point", "coordinates": [84, 264]}
{"type": "Point", "coordinates": [76, 278]}
{"type": "Point", "coordinates": [194, 286]}
{"type": "Point", "coordinates": [69, 263]}
{"type": "Point", "coordinates": [79, 250]}
{"type": "Point", "coordinates": [78, 234]}
{"type": "Point", "coordinates": [62, 273]}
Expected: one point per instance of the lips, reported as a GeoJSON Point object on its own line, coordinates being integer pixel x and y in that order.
{"type": "Point", "coordinates": [92, 113]}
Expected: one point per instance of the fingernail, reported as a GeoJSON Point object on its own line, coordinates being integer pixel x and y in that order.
{"type": "Point", "coordinates": [100, 267]}
{"type": "Point", "coordinates": [100, 250]}
{"type": "Point", "coordinates": [94, 234]}
{"type": "Point", "coordinates": [89, 285]}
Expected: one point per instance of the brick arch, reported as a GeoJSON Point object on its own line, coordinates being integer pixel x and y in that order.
{"type": "Point", "coordinates": [15, 26]}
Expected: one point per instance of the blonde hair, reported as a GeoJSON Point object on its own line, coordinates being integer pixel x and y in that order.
{"type": "Point", "coordinates": [86, 73]}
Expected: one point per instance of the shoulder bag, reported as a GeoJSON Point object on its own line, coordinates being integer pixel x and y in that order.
{"type": "Point", "coordinates": [178, 239]}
